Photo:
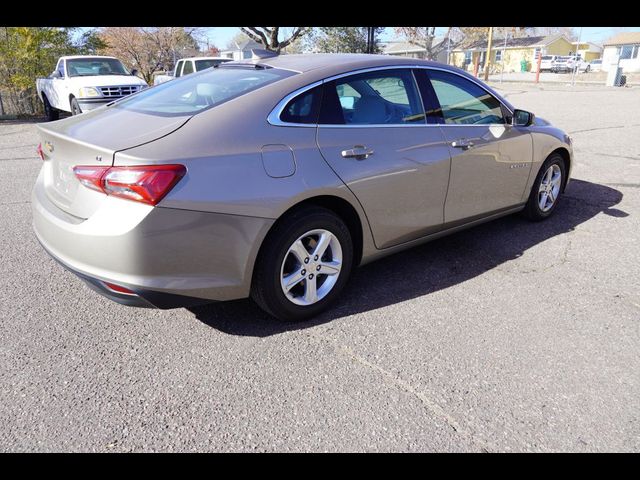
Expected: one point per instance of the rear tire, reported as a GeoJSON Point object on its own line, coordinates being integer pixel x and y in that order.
{"type": "Point", "coordinates": [288, 279]}
{"type": "Point", "coordinates": [50, 113]}
{"type": "Point", "coordinates": [75, 107]}
{"type": "Point", "coordinates": [546, 190]}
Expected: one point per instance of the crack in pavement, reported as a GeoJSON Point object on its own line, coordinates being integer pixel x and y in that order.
{"type": "Point", "coordinates": [430, 405]}
{"type": "Point", "coordinates": [615, 156]}
{"type": "Point", "coordinates": [603, 128]}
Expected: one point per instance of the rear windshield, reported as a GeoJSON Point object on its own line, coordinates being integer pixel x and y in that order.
{"type": "Point", "coordinates": [89, 67]}
{"type": "Point", "coordinates": [204, 64]}
{"type": "Point", "coordinates": [200, 91]}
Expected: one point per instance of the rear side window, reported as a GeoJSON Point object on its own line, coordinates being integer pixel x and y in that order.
{"type": "Point", "coordinates": [304, 108]}
{"type": "Point", "coordinates": [200, 91]}
{"type": "Point", "coordinates": [382, 97]}
{"type": "Point", "coordinates": [463, 102]}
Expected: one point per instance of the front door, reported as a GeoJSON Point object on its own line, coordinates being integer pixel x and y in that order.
{"type": "Point", "coordinates": [490, 158]}
{"type": "Point", "coordinates": [373, 133]}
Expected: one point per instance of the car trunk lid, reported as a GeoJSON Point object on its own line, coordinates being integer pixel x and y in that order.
{"type": "Point", "coordinates": [93, 139]}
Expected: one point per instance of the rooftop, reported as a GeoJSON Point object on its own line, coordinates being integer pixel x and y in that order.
{"type": "Point", "coordinates": [623, 38]}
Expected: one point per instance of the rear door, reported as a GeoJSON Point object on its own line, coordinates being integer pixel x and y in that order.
{"type": "Point", "coordinates": [490, 158]}
{"type": "Point", "coordinates": [374, 135]}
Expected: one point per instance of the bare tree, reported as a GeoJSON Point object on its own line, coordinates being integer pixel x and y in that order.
{"type": "Point", "coordinates": [149, 49]}
{"type": "Point", "coordinates": [568, 32]}
{"type": "Point", "coordinates": [268, 36]}
{"type": "Point", "coordinates": [453, 37]}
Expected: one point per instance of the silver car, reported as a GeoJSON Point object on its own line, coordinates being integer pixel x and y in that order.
{"type": "Point", "coordinates": [273, 178]}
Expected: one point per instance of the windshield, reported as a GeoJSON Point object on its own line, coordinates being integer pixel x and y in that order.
{"type": "Point", "coordinates": [204, 64]}
{"type": "Point", "coordinates": [200, 91]}
{"type": "Point", "coordinates": [84, 67]}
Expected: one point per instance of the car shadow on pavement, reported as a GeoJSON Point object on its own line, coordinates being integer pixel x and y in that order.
{"type": "Point", "coordinates": [430, 267]}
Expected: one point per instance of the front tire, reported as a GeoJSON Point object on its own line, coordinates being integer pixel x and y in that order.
{"type": "Point", "coordinates": [303, 265]}
{"type": "Point", "coordinates": [545, 192]}
{"type": "Point", "coordinates": [75, 107]}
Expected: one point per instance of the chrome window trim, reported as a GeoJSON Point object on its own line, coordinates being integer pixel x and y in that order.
{"type": "Point", "coordinates": [274, 116]}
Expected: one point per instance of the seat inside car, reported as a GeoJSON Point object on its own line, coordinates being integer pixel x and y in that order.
{"type": "Point", "coordinates": [370, 109]}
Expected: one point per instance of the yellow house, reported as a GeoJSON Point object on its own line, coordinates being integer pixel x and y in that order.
{"type": "Point", "coordinates": [513, 54]}
{"type": "Point", "coordinates": [587, 50]}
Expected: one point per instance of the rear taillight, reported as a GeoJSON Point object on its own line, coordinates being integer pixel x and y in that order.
{"type": "Point", "coordinates": [147, 184]}
{"type": "Point", "coordinates": [40, 151]}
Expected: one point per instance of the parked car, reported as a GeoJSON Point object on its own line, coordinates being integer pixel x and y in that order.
{"type": "Point", "coordinates": [566, 64]}
{"type": "Point", "coordinates": [82, 83]}
{"type": "Point", "coordinates": [595, 65]}
{"type": "Point", "coordinates": [186, 66]}
{"type": "Point", "coordinates": [547, 62]}
{"type": "Point", "coordinates": [273, 178]}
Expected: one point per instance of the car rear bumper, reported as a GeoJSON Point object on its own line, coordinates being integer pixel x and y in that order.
{"type": "Point", "coordinates": [158, 253]}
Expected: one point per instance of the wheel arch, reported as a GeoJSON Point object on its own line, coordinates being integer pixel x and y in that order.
{"type": "Point", "coordinates": [339, 206]}
{"type": "Point", "coordinates": [564, 153]}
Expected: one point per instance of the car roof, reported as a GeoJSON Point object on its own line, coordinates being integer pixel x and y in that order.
{"type": "Point", "coordinates": [203, 58]}
{"type": "Point", "coordinates": [75, 57]}
{"type": "Point", "coordinates": [347, 61]}
{"type": "Point", "coordinates": [316, 66]}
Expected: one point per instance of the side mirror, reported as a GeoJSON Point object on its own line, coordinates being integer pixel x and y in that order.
{"type": "Point", "coordinates": [56, 74]}
{"type": "Point", "coordinates": [522, 118]}
{"type": "Point", "coordinates": [134, 72]}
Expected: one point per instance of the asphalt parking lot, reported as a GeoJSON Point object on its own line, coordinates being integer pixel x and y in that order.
{"type": "Point", "coordinates": [511, 336]}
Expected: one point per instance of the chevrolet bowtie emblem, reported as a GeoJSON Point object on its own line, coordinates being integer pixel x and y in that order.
{"type": "Point", "coordinates": [48, 146]}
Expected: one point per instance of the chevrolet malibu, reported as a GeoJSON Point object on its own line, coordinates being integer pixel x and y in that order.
{"type": "Point", "coordinates": [273, 178]}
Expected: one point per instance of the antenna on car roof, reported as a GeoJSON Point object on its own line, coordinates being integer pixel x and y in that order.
{"type": "Point", "coordinates": [257, 53]}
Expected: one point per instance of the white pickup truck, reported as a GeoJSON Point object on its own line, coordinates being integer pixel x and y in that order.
{"type": "Point", "coordinates": [82, 83]}
{"type": "Point", "coordinates": [186, 66]}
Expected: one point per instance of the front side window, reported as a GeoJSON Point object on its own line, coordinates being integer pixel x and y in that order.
{"type": "Point", "coordinates": [60, 68]}
{"type": "Point", "coordinates": [188, 68]}
{"type": "Point", "coordinates": [200, 91]}
{"type": "Point", "coordinates": [384, 97]}
{"type": "Point", "coordinates": [92, 66]}
{"type": "Point", "coordinates": [462, 102]}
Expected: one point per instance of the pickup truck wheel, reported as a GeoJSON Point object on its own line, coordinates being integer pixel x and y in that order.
{"type": "Point", "coordinates": [49, 112]}
{"type": "Point", "coordinates": [75, 108]}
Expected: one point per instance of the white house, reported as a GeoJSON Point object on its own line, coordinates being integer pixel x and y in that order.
{"type": "Point", "coordinates": [242, 50]}
{"type": "Point", "coordinates": [626, 45]}
{"type": "Point", "coordinates": [407, 49]}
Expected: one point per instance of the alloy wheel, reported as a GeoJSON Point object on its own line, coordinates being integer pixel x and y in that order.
{"type": "Point", "coordinates": [311, 267]}
{"type": "Point", "coordinates": [549, 187]}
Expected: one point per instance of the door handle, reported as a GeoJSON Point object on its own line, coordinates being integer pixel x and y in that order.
{"type": "Point", "coordinates": [463, 143]}
{"type": "Point", "coordinates": [359, 152]}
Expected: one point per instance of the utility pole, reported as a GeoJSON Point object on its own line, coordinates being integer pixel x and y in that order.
{"type": "Point", "coordinates": [487, 61]}
{"type": "Point", "coordinates": [504, 51]}
{"type": "Point", "coordinates": [575, 63]}
{"type": "Point", "coordinates": [370, 39]}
